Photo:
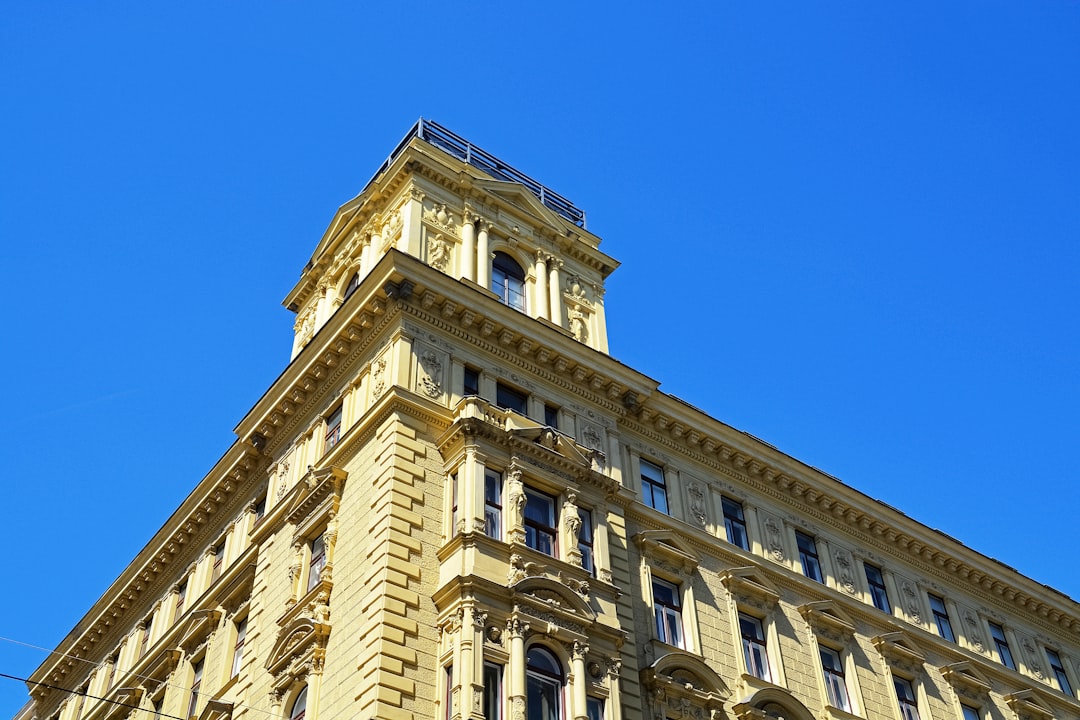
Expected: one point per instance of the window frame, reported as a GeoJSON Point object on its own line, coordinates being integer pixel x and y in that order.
{"type": "Point", "coordinates": [941, 617]}
{"type": "Point", "coordinates": [493, 508]}
{"type": "Point", "coordinates": [654, 485]}
{"type": "Point", "coordinates": [587, 540]}
{"type": "Point", "coordinates": [218, 552]}
{"type": "Point", "coordinates": [493, 700]}
{"type": "Point", "coordinates": [751, 643]}
{"type": "Point", "coordinates": [541, 675]}
{"type": "Point", "coordinates": [333, 422]}
{"type": "Point", "coordinates": [1057, 667]}
{"type": "Point", "coordinates": [470, 382]}
{"type": "Point", "coordinates": [504, 392]}
{"type": "Point", "coordinates": [967, 712]}
{"type": "Point", "coordinates": [504, 269]}
{"type": "Point", "coordinates": [908, 706]}
{"type": "Point", "coordinates": [809, 557]}
{"type": "Point", "coordinates": [551, 416]}
{"type": "Point", "coordinates": [879, 593]}
{"type": "Point", "coordinates": [735, 522]}
{"type": "Point", "coordinates": [534, 529]}
{"type": "Point", "coordinates": [665, 613]}
{"type": "Point", "coordinates": [198, 668]}
{"type": "Point", "coordinates": [238, 648]}
{"type": "Point", "coordinates": [301, 695]}
{"type": "Point", "coordinates": [316, 559]}
{"type": "Point", "coordinates": [837, 692]}
{"type": "Point", "coordinates": [1001, 645]}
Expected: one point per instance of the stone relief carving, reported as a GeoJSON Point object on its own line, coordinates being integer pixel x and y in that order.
{"type": "Point", "coordinates": [572, 518]}
{"type": "Point", "coordinates": [774, 539]}
{"type": "Point", "coordinates": [1032, 657]}
{"type": "Point", "coordinates": [440, 216]}
{"type": "Point", "coordinates": [911, 600]}
{"type": "Point", "coordinates": [378, 377]}
{"type": "Point", "coordinates": [430, 374]}
{"type": "Point", "coordinates": [517, 708]}
{"type": "Point", "coordinates": [578, 328]}
{"type": "Point", "coordinates": [844, 571]}
{"type": "Point", "coordinates": [974, 632]}
{"type": "Point", "coordinates": [697, 503]}
{"type": "Point", "coordinates": [438, 252]}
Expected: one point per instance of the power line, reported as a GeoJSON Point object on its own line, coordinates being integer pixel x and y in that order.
{"type": "Point", "coordinates": [88, 695]}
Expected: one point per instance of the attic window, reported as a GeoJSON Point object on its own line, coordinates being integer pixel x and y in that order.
{"type": "Point", "coordinates": [508, 281]}
{"type": "Point", "coordinates": [354, 282]}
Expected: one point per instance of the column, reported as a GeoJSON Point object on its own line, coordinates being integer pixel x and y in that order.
{"type": "Point", "coordinates": [541, 285]}
{"type": "Point", "coordinates": [614, 671]}
{"type": "Point", "coordinates": [468, 245]}
{"type": "Point", "coordinates": [515, 631]}
{"type": "Point", "coordinates": [483, 256]}
{"type": "Point", "coordinates": [476, 668]}
{"type": "Point", "coordinates": [555, 290]}
{"type": "Point", "coordinates": [580, 711]}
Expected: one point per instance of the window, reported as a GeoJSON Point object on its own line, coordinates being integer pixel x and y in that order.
{"type": "Point", "coordinates": [148, 626]}
{"type": "Point", "coordinates": [969, 712]}
{"type": "Point", "coordinates": [181, 596]}
{"type": "Point", "coordinates": [508, 282]}
{"type": "Point", "coordinates": [878, 594]}
{"type": "Point", "coordinates": [594, 708]}
{"type": "Point", "coordinates": [653, 487]}
{"type": "Point", "coordinates": [299, 706]}
{"type": "Point", "coordinates": [219, 559]}
{"type": "Point", "coordinates": [668, 611]}
{"type": "Point", "coordinates": [511, 399]}
{"type": "Point", "coordinates": [755, 653]}
{"type": "Point", "coordinates": [1058, 669]}
{"type": "Point", "coordinates": [1004, 654]}
{"type": "Point", "coordinates": [585, 541]}
{"type": "Point", "coordinates": [333, 429]}
{"type": "Point", "coordinates": [260, 509]}
{"type": "Point", "coordinates": [354, 282]}
{"type": "Point", "coordinates": [110, 677]}
{"type": "Point", "coordinates": [543, 685]}
{"type": "Point", "coordinates": [196, 683]}
{"type": "Point", "coordinates": [905, 695]}
{"type": "Point", "coordinates": [493, 691]}
{"type": "Point", "coordinates": [455, 516]}
{"type": "Point", "coordinates": [540, 532]}
{"type": "Point", "coordinates": [492, 504]}
{"type": "Point", "coordinates": [318, 561]}
{"type": "Point", "coordinates": [835, 683]}
{"type": "Point", "coordinates": [156, 704]}
{"type": "Point", "coordinates": [735, 523]}
{"type": "Point", "coordinates": [941, 617]}
{"type": "Point", "coordinates": [448, 697]}
{"type": "Point", "coordinates": [551, 416]}
{"type": "Point", "coordinates": [808, 556]}
{"type": "Point", "coordinates": [238, 647]}
{"type": "Point", "coordinates": [472, 381]}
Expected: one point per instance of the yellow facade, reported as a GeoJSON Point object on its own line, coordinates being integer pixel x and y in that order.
{"type": "Point", "coordinates": [454, 504]}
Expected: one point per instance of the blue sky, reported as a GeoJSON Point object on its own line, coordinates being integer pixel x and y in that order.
{"type": "Point", "coordinates": [846, 228]}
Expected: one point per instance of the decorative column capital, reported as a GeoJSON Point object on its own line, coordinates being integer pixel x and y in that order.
{"type": "Point", "coordinates": [579, 650]}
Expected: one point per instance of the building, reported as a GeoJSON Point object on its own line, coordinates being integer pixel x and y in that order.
{"type": "Point", "coordinates": [454, 505]}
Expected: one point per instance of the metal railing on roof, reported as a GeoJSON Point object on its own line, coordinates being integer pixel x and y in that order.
{"type": "Point", "coordinates": [452, 143]}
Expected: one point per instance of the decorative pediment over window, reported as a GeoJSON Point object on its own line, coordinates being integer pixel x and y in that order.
{"type": "Point", "coordinates": [750, 587]}
{"type": "Point", "coordinates": [770, 704]}
{"type": "Point", "coordinates": [966, 679]}
{"type": "Point", "coordinates": [558, 605]}
{"type": "Point", "coordinates": [197, 628]}
{"type": "Point", "coordinates": [827, 620]}
{"type": "Point", "coordinates": [318, 492]}
{"type": "Point", "coordinates": [681, 685]}
{"type": "Point", "coordinates": [163, 664]}
{"type": "Point", "coordinates": [121, 700]}
{"type": "Point", "coordinates": [216, 710]}
{"type": "Point", "coordinates": [898, 650]}
{"type": "Point", "coordinates": [1028, 705]}
{"type": "Point", "coordinates": [300, 648]}
{"type": "Point", "coordinates": [665, 550]}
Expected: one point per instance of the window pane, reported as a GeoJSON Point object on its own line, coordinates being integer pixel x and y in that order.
{"type": "Point", "coordinates": [735, 523]}
{"type": "Point", "coordinates": [511, 399]}
{"type": "Point", "coordinates": [492, 692]}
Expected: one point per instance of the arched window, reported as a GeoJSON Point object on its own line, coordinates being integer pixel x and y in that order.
{"type": "Point", "coordinates": [508, 281]}
{"type": "Point", "coordinates": [544, 685]}
{"type": "Point", "coordinates": [299, 706]}
{"type": "Point", "coordinates": [354, 282]}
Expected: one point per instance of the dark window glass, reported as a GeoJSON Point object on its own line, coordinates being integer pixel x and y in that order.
{"type": "Point", "coordinates": [508, 281]}
{"type": "Point", "coordinates": [148, 626]}
{"type": "Point", "coordinates": [1059, 671]}
{"type": "Point", "coordinates": [653, 486]}
{"type": "Point", "coordinates": [354, 282]}
{"type": "Point", "coordinates": [755, 652]}
{"type": "Point", "coordinates": [941, 617]}
{"type": "Point", "coordinates": [196, 683]}
{"type": "Point", "coordinates": [260, 508]}
{"type": "Point", "coordinates": [219, 558]}
{"type": "Point", "coordinates": [585, 541]}
{"type": "Point", "coordinates": [594, 708]}
{"type": "Point", "coordinates": [905, 695]}
{"type": "Point", "coordinates": [808, 556]}
{"type": "Point", "coordinates": [299, 708]}
{"type": "Point", "coordinates": [472, 381]}
{"type": "Point", "coordinates": [333, 429]}
{"type": "Point", "coordinates": [876, 583]}
{"type": "Point", "coordinates": [492, 691]}
{"type": "Point", "coordinates": [540, 533]}
{"type": "Point", "coordinates": [970, 713]}
{"type": "Point", "coordinates": [1005, 656]}
{"type": "Point", "coordinates": [551, 416]}
{"type": "Point", "coordinates": [238, 648]}
{"type": "Point", "coordinates": [455, 517]}
{"type": "Point", "coordinates": [835, 683]}
{"type": "Point", "coordinates": [668, 611]}
{"type": "Point", "coordinates": [511, 399]}
{"type": "Point", "coordinates": [735, 523]}
{"type": "Point", "coordinates": [318, 562]}
{"type": "Point", "coordinates": [543, 686]}
{"type": "Point", "coordinates": [493, 504]}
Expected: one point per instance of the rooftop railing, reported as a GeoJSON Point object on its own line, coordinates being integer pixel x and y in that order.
{"type": "Point", "coordinates": [437, 135]}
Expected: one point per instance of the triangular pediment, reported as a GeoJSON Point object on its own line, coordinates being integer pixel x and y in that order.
{"type": "Point", "coordinates": [197, 627]}
{"type": "Point", "coordinates": [964, 675]}
{"type": "Point", "coordinates": [898, 649]}
{"type": "Point", "coordinates": [216, 710]}
{"type": "Point", "coordinates": [521, 197]}
{"type": "Point", "coordinates": [750, 586]}
{"type": "Point", "coordinates": [826, 616]}
{"type": "Point", "coordinates": [660, 547]}
{"type": "Point", "coordinates": [317, 490]}
{"type": "Point", "coordinates": [121, 700]}
{"type": "Point", "coordinates": [1028, 705]}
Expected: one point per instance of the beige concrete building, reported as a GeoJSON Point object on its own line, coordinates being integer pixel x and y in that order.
{"type": "Point", "coordinates": [454, 505]}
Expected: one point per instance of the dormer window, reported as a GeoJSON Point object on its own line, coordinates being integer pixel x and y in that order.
{"type": "Point", "coordinates": [508, 281]}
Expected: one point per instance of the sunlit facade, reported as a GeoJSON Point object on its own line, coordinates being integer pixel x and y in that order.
{"type": "Point", "coordinates": [454, 504]}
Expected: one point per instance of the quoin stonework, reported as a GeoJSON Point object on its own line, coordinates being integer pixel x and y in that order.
{"type": "Point", "coordinates": [453, 504]}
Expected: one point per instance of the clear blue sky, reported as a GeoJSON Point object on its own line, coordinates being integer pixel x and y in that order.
{"type": "Point", "coordinates": [848, 229]}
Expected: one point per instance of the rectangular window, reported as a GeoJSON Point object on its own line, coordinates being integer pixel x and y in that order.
{"type": "Point", "coordinates": [551, 416]}
{"type": "Point", "coordinates": [238, 647]}
{"type": "Point", "coordinates": [333, 429]}
{"type": "Point", "coordinates": [318, 562]}
{"type": "Point", "coordinates": [808, 556]}
{"type": "Point", "coordinates": [111, 676]}
{"type": "Point", "coordinates": [260, 509]}
{"type": "Point", "coordinates": [653, 486]}
{"type": "Point", "coordinates": [510, 399]}
{"type": "Point", "coordinates": [472, 382]}
{"type": "Point", "coordinates": [448, 699]}
{"type": "Point", "coordinates": [735, 523]}
{"type": "Point", "coordinates": [540, 528]}
{"type": "Point", "coordinates": [157, 703]}
{"type": "Point", "coordinates": [219, 559]}
{"type": "Point", "coordinates": [1004, 654]}
{"type": "Point", "coordinates": [755, 653]}
{"type": "Point", "coordinates": [455, 516]}
{"type": "Point", "coordinates": [181, 596]}
{"type": "Point", "coordinates": [196, 683]}
{"type": "Point", "coordinates": [148, 627]}
{"type": "Point", "coordinates": [493, 504]}
{"type": "Point", "coordinates": [594, 708]}
{"type": "Point", "coordinates": [969, 712]}
{"type": "Point", "coordinates": [835, 683]}
{"type": "Point", "coordinates": [878, 594]}
{"type": "Point", "coordinates": [905, 695]}
{"type": "Point", "coordinates": [585, 541]}
{"type": "Point", "coordinates": [941, 617]}
{"type": "Point", "coordinates": [1058, 669]}
{"type": "Point", "coordinates": [493, 691]}
{"type": "Point", "coordinates": [668, 611]}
